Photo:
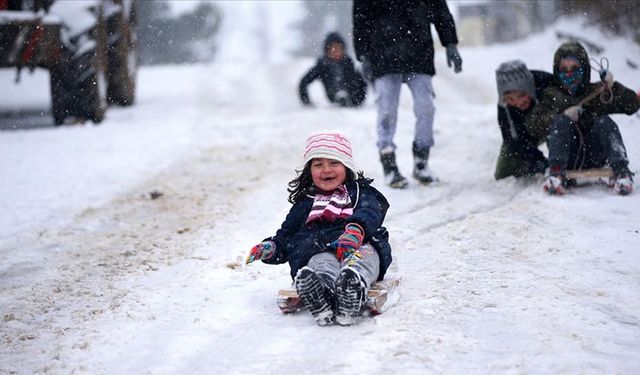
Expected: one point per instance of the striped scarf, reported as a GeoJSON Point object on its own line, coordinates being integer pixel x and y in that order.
{"type": "Point", "coordinates": [329, 207]}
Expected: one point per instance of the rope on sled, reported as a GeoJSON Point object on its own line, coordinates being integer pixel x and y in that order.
{"type": "Point", "coordinates": [606, 96]}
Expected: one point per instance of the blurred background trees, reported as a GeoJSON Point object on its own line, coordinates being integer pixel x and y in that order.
{"type": "Point", "coordinates": [164, 38]}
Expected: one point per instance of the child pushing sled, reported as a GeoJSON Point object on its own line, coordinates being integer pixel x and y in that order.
{"type": "Point", "coordinates": [333, 236]}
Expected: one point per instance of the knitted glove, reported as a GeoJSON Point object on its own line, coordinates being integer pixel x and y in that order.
{"type": "Point", "coordinates": [349, 241]}
{"type": "Point", "coordinates": [573, 112]}
{"type": "Point", "coordinates": [607, 78]}
{"type": "Point", "coordinates": [262, 251]}
{"type": "Point", "coordinates": [453, 57]}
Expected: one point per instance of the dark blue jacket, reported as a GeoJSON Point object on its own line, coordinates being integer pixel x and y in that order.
{"type": "Point", "coordinates": [296, 242]}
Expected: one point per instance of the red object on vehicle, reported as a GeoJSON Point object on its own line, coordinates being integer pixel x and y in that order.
{"type": "Point", "coordinates": [4, 4]}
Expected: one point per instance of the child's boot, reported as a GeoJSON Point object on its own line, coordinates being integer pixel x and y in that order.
{"type": "Point", "coordinates": [392, 175]}
{"type": "Point", "coordinates": [420, 170]}
{"type": "Point", "coordinates": [315, 295]}
{"type": "Point", "coordinates": [554, 182]}
{"type": "Point", "coordinates": [622, 182]}
{"type": "Point", "coordinates": [351, 292]}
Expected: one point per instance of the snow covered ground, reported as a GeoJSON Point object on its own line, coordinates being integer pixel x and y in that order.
{"type": "Point", "coordinates": [97, 277]}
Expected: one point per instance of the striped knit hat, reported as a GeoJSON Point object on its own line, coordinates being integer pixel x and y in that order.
{"type": "Point", "coordinates": [330, 145]}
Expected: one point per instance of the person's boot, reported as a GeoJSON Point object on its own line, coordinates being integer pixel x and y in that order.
{"type": "Point", "coordinates": [351, 293]}
{"type": "Point", "coordinates": [622, 181]}
{"type": "Point", "coordinates": [392, 175]}
{"type": "Point", "coordinates": [554, 183]}
{"type": "Point", "coordinates": [316, 295]}
{"type": "Point", "coordinates": [421, 171]}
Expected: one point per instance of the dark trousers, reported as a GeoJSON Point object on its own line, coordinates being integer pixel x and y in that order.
{"type": "Point", "coordinates": [594, 146]}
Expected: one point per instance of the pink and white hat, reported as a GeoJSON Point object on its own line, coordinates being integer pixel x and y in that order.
{"type": "Point", "coordinates": [330, 145]}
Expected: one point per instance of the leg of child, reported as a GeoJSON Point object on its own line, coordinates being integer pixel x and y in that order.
{"type": "Point", "coordinates": [326, 265]}
{"type": "Point", "coordinates": [366, 262]}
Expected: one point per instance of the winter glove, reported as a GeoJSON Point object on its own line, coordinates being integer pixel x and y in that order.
{"type": "Point", "coordinates": [573, 112]}
{"type": "Point", "coordinates": [453, 57]}
{"type": "Point", "coordinates": [349, 241]}
{"type": "Point", "coordinates": [607, 78]}
{"type": "Point", "coordinates": [262, 251]}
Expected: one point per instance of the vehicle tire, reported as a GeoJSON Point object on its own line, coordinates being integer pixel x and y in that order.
{"type": "Point", "coordinates": [89, 66]}
{"type": "Point", "coordinates": [61, 93]}
{"type": "Point", "coordinates": [122, 54]}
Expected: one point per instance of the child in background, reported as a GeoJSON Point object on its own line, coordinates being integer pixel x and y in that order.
{"type": "Point", "coordinates": [333, 236]}
{"type": "Point", "coordinates": [581, 134]}
{"type": "Point", "coordinates": [343, 84]}
{"type": "Point", "coordinates": [519, 90]}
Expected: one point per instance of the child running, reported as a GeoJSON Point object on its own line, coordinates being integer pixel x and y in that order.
{"type": "Point", "coordinates": [333, 236]}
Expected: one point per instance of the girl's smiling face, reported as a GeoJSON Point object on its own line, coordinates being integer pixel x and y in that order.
{"type": "Point", "coordinates": [327, 174]}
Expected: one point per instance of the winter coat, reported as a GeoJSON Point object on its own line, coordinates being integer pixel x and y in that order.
{"type": "Point", "coordinates": [555, 99]}
{"type": "Point", "coordinates": [519, 154]}
{"type": "Point", "coordinates": [336, 75]}
{"type": "Point", "coordinates": [395, 36]}
{"type": "Point", "coordinates": [296, 242]}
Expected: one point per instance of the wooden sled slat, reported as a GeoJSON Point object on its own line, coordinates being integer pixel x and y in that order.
{"type": "Point", "coordinates": [589, 173]}
{"type": "Point", "coordinates": [377, 297]}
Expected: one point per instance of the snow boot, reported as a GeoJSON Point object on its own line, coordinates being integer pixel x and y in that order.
{"type": "Point", "coordinates": [351, 293]}
{"type": "Point", "coordinates": [622, 182]}
{"type": "Point", "coordinates": [420, 170]}
{"type": "Point", "coordinates": [315, 295]}
{"type": "Point", "coordinates": [392, 175]}
{"type": "Point", "coordinates": [554, 183]}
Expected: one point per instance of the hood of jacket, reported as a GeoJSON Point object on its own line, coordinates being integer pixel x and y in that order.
{"type": "Point", "coordinates": [333, 37]}
{"type": "Point", "coordinates": [577, 50]}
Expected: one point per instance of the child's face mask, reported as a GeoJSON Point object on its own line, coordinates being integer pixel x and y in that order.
{"type": "Point", "coordinates": [571, 74]}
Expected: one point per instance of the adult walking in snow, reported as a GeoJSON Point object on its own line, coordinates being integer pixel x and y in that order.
{"type": "Point", "coordinates": [519, 90]}
{"type": "Point", "coordinates": [343, 84]}
{"type": "Point", "coordinates": [575, 112]}
{"type": "Point", "coordinates": [333, 236]}
{"type": "Point", "coordinates": [394, 39]}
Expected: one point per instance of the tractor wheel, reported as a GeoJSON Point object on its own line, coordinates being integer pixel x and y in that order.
{"type": "Point", "coordinates": [122, 55]}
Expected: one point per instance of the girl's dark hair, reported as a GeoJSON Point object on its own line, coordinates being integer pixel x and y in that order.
{"type": "Point", "coordinates": [303, 183]}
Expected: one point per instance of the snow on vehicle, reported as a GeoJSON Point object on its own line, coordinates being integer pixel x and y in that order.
{"type": "Point", "coordinates": [88, 47]}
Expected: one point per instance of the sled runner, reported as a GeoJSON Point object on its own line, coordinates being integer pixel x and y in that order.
{"type": "Point", "coordinates": [382, 295]}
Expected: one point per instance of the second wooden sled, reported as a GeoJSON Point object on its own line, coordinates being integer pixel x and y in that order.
{"type": "Point", "coordinates": [581, 177]}
{"type": "Point", "coordinates": [589, 174]}
{"type": "Point", "coordinates": [382, 295]}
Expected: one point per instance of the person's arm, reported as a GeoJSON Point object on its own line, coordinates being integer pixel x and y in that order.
{"type": "Point", "coordinates": [368, 213]}
{"type": "Point", "coordinates": [444, 23]}
{"type": "Point", "coordinates": [312, 75]}
{"type": "Point", "coordinates": [538, 120]}
{"type": "Point", "coordinates": [514, 135]}
{"type": "Point", "coordinates": [362, 26]}
{"type": "Point", "coordinates": [624, 101]}
{"type": "Point", "coordinates": [292, 223]}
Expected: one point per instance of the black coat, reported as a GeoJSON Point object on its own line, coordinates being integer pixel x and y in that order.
{"type": "Point", "coordinates": [296, 242]}
{"type": "Point", "coordinates": [394, 36]}
{"type": "Point", "coordinates": [335, 75]}
{"type": "Point", "coordinates": [512, 121]}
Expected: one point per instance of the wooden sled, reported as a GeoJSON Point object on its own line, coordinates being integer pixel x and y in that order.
{"type": "Point", "coordinates": [582, 177]}
{"type": "Point", "coordinates": [589, 174]}
{"type": "Point", "coordinates": [381, 296]}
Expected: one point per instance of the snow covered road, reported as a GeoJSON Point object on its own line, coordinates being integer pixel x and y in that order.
{"type": "Point", "coordinates": [497, 278]}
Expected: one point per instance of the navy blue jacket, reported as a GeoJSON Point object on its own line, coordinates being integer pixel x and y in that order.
{"type": "Point", "coordinates": [296, 242]}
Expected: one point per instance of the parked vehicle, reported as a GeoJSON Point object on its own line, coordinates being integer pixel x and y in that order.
{"type": "Point", "coordinates": [88, 47]}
